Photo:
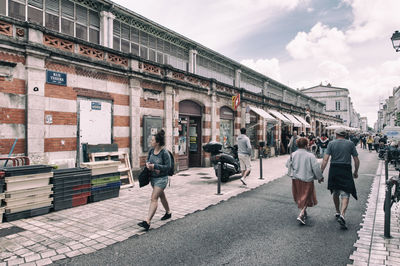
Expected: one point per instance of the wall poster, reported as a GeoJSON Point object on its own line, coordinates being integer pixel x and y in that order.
{"type": "Point", "coordinates": [151, 125]}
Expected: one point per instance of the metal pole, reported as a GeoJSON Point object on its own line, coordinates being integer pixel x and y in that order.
{"type": "Point", "coordinates": [261, 170]}
{"type": "Point", "coordinates": [388, 196]}
{"type": "Point", "coordinates": [219, 171]}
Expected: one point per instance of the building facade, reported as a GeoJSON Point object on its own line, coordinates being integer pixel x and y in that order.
{"type": "Point", "coordinates": [92, 72]}
{"type": "Point", "coordinates": [337, 103]}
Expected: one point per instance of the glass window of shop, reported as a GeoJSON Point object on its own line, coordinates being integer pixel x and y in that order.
{"type": "Point", "coordinates": [251, 128]}
{"type": "Point", "coordinates": [226, 127]}
{"type": "Point", "coordinates": [129, 39]}
{"type": "Point", "coordinates": [211, 69]}
{"type": "Point", "coordinates": [58, 15]}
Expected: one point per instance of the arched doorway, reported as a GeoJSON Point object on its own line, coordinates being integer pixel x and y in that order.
{"type": "Point", "coordinates": [189, 127]}
{"type": "Point", "coordinates": [226, 127]}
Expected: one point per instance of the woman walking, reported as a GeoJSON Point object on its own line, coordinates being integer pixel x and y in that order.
{"type": "Point", "coordinates": [370, 141]}
{"type": "Point", "coordinates": [158, 163]}
{"type": "Point", "coordinates": [303, 169]}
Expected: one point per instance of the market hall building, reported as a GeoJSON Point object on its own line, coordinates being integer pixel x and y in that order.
{"type": "Point", "coordinates": [76, 72]}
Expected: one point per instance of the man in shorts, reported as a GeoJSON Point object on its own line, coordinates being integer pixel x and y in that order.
{"type": "Point", "coordinates": [340, 181]}
{"type": "Point", "coordinates": [244, 152]}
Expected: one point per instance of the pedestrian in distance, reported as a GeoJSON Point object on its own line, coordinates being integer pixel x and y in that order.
{"type": "Point", "coordinates": [292, 146]}
{"type": "Point", "coordinates": [158, 163]}
{"type": "Point", "coordinates": [370, 141]}
{"type": "Point", "coordinates": [341, 179]}
{"type": "Point", "coordinates": [376, 142]}
{"type": "Point", "coordinates": [323, 144]}
{"type": "Point", "coordinates": [244, 153]}
{"type": "Point", "coordinates": [364, 142]}
{"type": "Point", "coordinates": [303, 168]}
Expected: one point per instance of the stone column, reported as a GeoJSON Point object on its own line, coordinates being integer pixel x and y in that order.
{"type": "Point", "coordinates": [104, 28]}
{"type": "Point", "coordinates": [169, 116]}
{"type": "Point", "coordinates": [35, 105]}
{"type": "Point", "coordinates": [110, 32]}
{"type": "Point", "coordinates": [265, 89]}
{"type": "Point", "coordinates": [134, 107]}
{"type": "Point", "coordinates": [193, 61]}
{"type": "Point", "coordinates": [238, 72]}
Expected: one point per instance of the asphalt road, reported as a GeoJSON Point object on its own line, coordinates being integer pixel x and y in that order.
{"type": "Point", "coordinates": [257, 227]}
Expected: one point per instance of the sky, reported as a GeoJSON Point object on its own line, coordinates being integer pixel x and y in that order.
{"type": "Point", "coordinates": [300, 43]}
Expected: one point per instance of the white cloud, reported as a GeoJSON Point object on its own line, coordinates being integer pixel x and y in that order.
{"type": "Point", "coordinates": [321, 43]}
{"type": "Point", "coordinates": [373, 19]}
{"type": "Point", "coordinates": [332, 71]}
{"type": "Point", "coordinates": [268, 67]}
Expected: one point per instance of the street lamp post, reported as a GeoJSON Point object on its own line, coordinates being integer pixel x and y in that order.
{"type": "Point", "coordinates": [396, 40]}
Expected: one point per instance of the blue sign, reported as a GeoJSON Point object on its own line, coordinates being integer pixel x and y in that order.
{"type": "Point", "coordinates": [96, 106]}
{"type": "Point", "coordinates": [57, 78]}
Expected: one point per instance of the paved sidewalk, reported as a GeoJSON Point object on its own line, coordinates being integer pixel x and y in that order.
{"type": "Point", "coordinates": [85, 229]}
{"type": "Point", "coordinates": [371, 247]}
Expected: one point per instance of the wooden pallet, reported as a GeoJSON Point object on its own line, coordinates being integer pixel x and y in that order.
{"type": "Point", "coordinates": [124, 168]}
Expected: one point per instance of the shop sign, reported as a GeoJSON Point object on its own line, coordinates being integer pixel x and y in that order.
{"type": "Point", "coordinates": [95, 106]}
{"type": "Point", "coordinates": [57, 78]}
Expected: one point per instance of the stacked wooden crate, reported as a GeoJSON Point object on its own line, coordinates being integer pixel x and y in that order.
{"type": "Point", "coordinates": [71, 187]}
{"type": "Point", "coordinates": [28, 191]}
{"type": "Point", "coordinates": [105, 179]}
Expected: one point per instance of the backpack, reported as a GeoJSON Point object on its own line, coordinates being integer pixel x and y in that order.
{"type": "Point", "coordinates": [171, 170]}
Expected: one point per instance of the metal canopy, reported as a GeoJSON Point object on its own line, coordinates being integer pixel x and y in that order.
{"type": "Point", "coordinates": [280, 116]}
{"type": "Point", "coordinates": [263, 114]}
{"type": "Point", "coordinates": [304, 122]}
{"type": "Point", "coordinates": [295, 122]}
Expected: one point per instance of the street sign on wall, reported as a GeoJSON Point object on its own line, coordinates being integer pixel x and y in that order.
{"type": "Point", "coordinates": [57, 78]}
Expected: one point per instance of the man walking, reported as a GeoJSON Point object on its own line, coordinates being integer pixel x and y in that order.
{"type": "Point", "coordinates": [244, 152]}
{"type": "Point", "coordinates": [292, 146]}
{"type": "Point", "coordinates": [376, 142]}
{"type": "Point", "coordinates": [340, 181]}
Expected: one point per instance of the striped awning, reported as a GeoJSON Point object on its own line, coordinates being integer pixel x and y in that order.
{"type": "Point", "coordinates": [263, 114]}
{"type": "Point", "coordinates": [295, 122]}
{"type": "Point", "coordinates": [303, 121]}
{"type": "Point", "coordinates": [279, 116]}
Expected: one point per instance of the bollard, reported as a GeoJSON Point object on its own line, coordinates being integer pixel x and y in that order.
{"type": "Point", "coordinates": [219, 173]}
{"type": "Point", "coordinates": [386, 166]}
{"type": "Point", "coordinates": [262, 144]}
{"type": "Point", "coordinates": [388, 197]}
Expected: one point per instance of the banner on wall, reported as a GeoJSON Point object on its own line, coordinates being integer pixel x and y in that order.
{"type": "Point", "coordinates": [235, 101]}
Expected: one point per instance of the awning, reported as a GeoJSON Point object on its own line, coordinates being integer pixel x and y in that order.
{"type": "Point", "coordinates": [295, 122]}
{"type": "Point", "coordinates": [280, 116]}
{"type": "Point", "coordinates": [304, 122]}
{"type": "Point", "coordinates": [263, 114]}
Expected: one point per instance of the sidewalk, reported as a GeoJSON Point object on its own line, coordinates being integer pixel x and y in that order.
{"type": "Point", "coordinates": [85, 229]}
{"type": "Point", "coordinates": [371, 247]}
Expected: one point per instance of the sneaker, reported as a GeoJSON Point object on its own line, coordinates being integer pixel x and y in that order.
{"type": "Point", "coordinates": [342, 222]}
{"type": "Point", "coordinates": [337, 215]}
{"type": "Point", "coordinates": [301, 220]}
{"type": "Point", "coordinates": [145, 225]}
{"type": "Point", "coordinates": [244, 183]}
{"type": "Point", "coordinates": [166, 216]}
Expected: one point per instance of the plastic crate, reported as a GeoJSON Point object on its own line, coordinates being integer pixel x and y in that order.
{"type": "Point", "coordinates": [77, 170]}
{"type": "Point", "coordinates": [105, 175]}
{"type": "Point", "coordinates": [26, 170]}
{"type": "Point", "coordinates": [105, 194]}
{"type": "Point", "coordinates": [22, 182]}
{"type": "Point", "coordinates": [70, 183]}
{"type": "Point", "coordinates": [29, 192]}
{"type": "Point", "coordinates": [68, 194]}
{"type": "Point", "coordinates": [9, 217]}
{"type": "Point", "coordinates": [2, 175]}
{"type": "Point", "coordinates": [106, 180]}
{"type": "Point", "coordinates": [77, 200]}
{"type": "Point", "coordinates": [28, 206]}
{"type": "Point", "coordinates": [107, 186]}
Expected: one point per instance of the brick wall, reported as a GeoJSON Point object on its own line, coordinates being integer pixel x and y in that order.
{"type": "Point", "coordinates": [12, 116]}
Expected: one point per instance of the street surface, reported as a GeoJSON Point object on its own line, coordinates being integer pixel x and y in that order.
{"type": "Point", "coordinates": [255, 227]}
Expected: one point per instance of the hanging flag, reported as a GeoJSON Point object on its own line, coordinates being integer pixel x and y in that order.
{"type": "Point", "coordinates": [235, 101]}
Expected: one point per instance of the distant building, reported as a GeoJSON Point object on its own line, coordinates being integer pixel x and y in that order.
{"type": "Point", "coordinates": [337, 103]}
{"type": "Point", "coordinates": [364, 124]}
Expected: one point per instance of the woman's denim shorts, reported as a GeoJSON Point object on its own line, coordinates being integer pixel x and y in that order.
{"type": "Point", "coordinates": [160, 182]}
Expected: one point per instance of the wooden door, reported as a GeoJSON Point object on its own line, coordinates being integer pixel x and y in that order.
{"type": "Point", "coordinates": [183, 154]}
{"type": "Point", "coordinates": [194, 134]}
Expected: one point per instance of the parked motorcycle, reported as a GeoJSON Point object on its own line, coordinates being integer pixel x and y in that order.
{"type": "Point", "coordinates": [229, 161]}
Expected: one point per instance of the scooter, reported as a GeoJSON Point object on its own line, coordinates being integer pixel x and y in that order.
{"type": "Point", "coordinates": [229, 161]}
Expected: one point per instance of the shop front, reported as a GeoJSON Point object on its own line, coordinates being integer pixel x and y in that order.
{"type": "Point", "coordinates": [189, 128]}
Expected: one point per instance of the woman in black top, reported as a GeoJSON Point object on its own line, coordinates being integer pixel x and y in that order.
{"type": "Point", "coordinates": [158, 163]}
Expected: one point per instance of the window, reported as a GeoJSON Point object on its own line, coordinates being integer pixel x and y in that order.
{"type": "Point", "coordinates": [35, 11]}
{"type": "Point", "coordinates": [3, 7]}
{"type": "Point", "coordinates": [337, 93]}
{"type": "Point", "coordinates": [16, 9]}
{"type": "Point", "coordinates": [67, 17]}
{"type": "Point", "coordinates": [52, 15]}
{"type": "Point", "coordinates": [337, 105]}
{"type": "Point", "coordinates": [338, 116]}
